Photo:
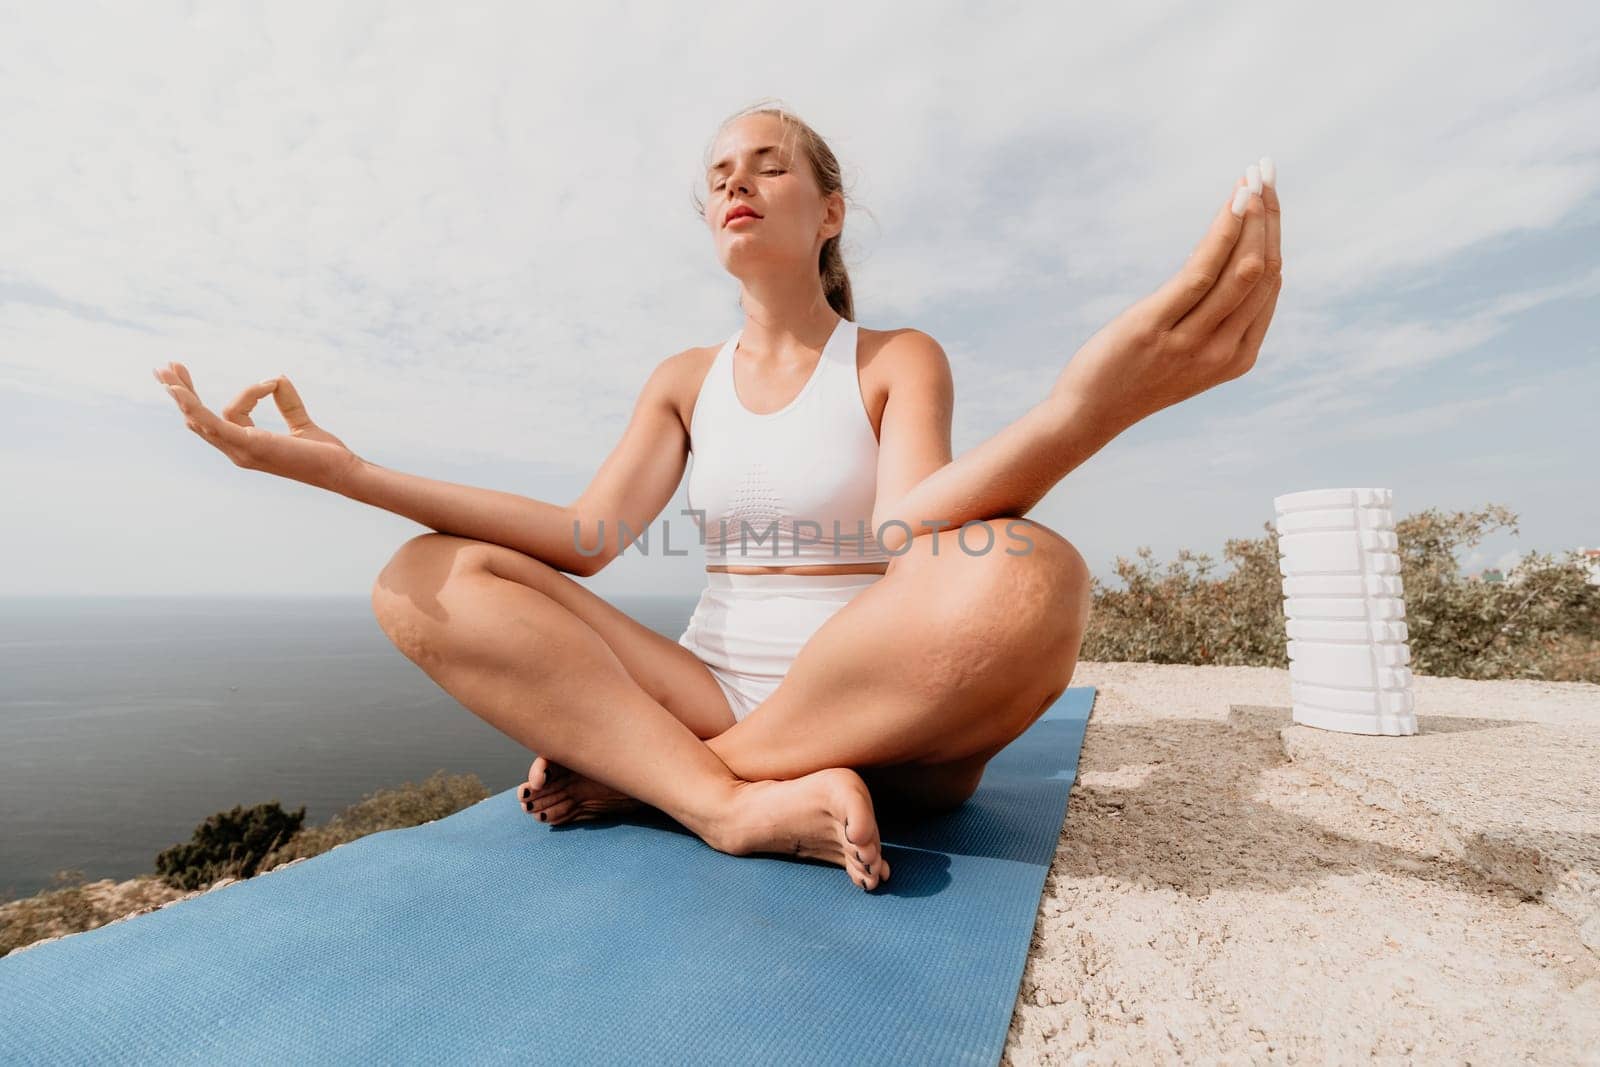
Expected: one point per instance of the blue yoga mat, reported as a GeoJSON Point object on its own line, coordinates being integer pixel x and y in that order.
{"type": "Point", "coordinates": [488, 936]}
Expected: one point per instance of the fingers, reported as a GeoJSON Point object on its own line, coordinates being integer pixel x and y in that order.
{"type": "Point", "coordinates": [237, 412]}
{"type": "Point", "coordinates": [1204, 266]}
{"type": "Point", "coordinates": [183, 376]}
{"type": "Point", "coordinates": [1256, 332]}
{"type": "Point", "coordinates": [239, 408]}
{"type": "Point", "coordinates": [1245, 267]}
{"type": "Point", "coordinates": [1232, 329]}
{"type": "Point", "coordinates": [204, 422]}
{"type": "Point", "coordinates": [290, 404]}
{"type": "Point", "coordinates": [1269, 201]}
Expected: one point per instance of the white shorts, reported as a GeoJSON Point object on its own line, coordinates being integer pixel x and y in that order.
{"type": "Point", "coordinates": [748, 628]}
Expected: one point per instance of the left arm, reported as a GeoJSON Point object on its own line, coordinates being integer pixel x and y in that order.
{"type": "Point", "coordinates": [920, 486]}
{"type": "Point", "coordinates": [1204, 327]}
{"type": "Point", "coordinates": [914, 433]}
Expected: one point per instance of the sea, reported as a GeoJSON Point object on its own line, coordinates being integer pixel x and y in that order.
{"type": "Point", "coordinates": [126, 721]}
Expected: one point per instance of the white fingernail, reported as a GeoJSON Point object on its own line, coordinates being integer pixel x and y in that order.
{"type": "Point", "coordinates": [1241, 197]}
{"type": "Point", "coordinates": [1269, 171]}
{"type": "Point", "coordinates": [1252, 179]}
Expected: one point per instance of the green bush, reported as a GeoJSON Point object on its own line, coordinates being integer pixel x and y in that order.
{"type": "Point", "coordinates": [228, 844]}
{"type": "Point", "coordinates": [237, 843]}
{"type": "Point", "coordinates": [1543, 621]}
{"type": "Point", "coordinates": [438, 795]}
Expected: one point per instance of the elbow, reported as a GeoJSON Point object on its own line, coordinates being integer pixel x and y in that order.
{"type": "Point", "coordinates": [589, 550]}
{"type": "Point", "coordinates": [587, 566]}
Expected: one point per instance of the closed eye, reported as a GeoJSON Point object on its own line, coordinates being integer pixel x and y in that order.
{"type": "Point", "coordinates": [719, 185]}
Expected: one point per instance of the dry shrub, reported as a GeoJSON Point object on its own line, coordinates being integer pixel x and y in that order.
{"type": "Point", "coordinates": [387, 809]}
{"type": "Point", "coordinates": [1542, 622]}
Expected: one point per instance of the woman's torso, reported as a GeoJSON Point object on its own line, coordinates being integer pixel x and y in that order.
{"type": "Point", "coordinates": [802, 447]}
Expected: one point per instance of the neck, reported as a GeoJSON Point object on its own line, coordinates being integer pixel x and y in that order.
{"type": "Point", "coordinates": [785, 315]}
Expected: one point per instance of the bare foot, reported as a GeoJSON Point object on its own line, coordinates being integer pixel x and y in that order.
{"type": "Point", "coordinates": [557, 794]}
{"type": "Point", "coordinates": [826, 815]}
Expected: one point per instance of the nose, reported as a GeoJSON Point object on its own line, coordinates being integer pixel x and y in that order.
{"type": "Point", "coordinates": [738, 181]}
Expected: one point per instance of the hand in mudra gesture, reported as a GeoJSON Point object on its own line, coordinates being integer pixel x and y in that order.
{"type": "Point", "coordinates": [1202, 328]}
{"type": "Point", "coordinates": [307, 453]}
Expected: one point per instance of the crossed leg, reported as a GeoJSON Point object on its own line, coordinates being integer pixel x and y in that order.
{"type": "Point", "coordinates": [491, 627]}
{"type": "Point", "coordinates": [917, 682]}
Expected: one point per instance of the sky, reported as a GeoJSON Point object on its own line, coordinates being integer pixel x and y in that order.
{"type": "Point", "coordinates": [466, 234]}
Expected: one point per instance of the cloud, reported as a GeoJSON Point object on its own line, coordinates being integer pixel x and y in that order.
{"type": "Point", "coordinates": [466, 234]}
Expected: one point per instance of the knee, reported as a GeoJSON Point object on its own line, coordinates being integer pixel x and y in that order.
{"type": "Point", "coordinates": [407, 595]}
{"type": "Point", "coordinates": [1012, 562]}
{"type": "Point", "coordinates": [1057, 599]}
{"type": "Point", "coordinates": [1016, 585]}
{"type": "Point", "coordinates": [1062, 584]}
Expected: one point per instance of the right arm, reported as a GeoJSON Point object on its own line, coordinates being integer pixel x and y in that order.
{"type": "Point", "coordinates": [631, 487]}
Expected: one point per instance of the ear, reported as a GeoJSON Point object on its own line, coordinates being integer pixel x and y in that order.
{"type": "Point", "coordinates": [833, 215]}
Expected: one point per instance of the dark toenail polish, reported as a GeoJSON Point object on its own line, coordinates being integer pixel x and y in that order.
{"type": "Point", "coordinates": [541, 816]}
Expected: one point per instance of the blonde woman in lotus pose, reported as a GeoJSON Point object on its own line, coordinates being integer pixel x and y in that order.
{"type": "Point", "coordinates": [885, 655]}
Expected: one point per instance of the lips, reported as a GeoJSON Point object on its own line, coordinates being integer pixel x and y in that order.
{"type": "Point", "coordinates": [739, 211]}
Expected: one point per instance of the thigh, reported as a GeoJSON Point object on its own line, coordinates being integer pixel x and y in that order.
{"type": "Point", "coordinates": [939, 664]}
{"type": "Point", "coordinates": [671, 674]}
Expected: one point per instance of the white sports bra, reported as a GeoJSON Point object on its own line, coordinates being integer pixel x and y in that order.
{"type": "Point", "coordinates": [792, 487]}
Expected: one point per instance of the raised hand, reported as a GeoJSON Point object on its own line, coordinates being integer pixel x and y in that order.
{"type": "Point", "coordinates": [307, 453]}
{"type": "Point", "coordinates": [1202, 328]}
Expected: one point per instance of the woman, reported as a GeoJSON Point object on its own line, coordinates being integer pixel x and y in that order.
{"type": "Point", "coordinates": [887, 655]}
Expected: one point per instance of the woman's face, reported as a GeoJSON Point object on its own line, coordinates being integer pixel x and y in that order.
{"type": "Point", "coordinates": [757, 165]}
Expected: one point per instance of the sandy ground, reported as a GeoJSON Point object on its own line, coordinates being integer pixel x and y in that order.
{"type": "Point", "coordinates": [1213, 900]}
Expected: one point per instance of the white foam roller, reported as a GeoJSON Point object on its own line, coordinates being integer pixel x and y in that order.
{"type": "Point", "coordinates": [1332, 670]}
{"type": "Point", "coordinates": [1335, 519]}
{"type": "Point", "coordinates": [1345, 630]}
{"type": "Point", "coordinates": [1313, 521]}
{"type": "Point", "coordinates": [1343, 585]}
{"type": "Point", "coordinates": [1335, 559]}
{"type": "Point", "coordinates": [1380, 541]}
{"type": "Point", "coordinates": [1329, 607]}
{"type": "Point", "coordinates": [1343, 607]}
{"type": "Point", "coordinates": [1374, 653]}
{"type": "Point", "coordinates": [1341, 552]}
{"type": "Point", "coordinates": [1387, 723]}
{"type": "Point", "coordinates": [1333, 498]}
{"type": "Point", "coordinates": [1363, 664]}
{"type": "Point", "coordinates": [1368, 701]}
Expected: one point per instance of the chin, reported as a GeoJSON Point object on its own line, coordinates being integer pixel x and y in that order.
{"type": "Point", "coordinates": [746, 253]}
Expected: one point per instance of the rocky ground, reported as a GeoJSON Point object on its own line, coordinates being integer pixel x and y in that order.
{"type": "Point", "coordinates": [1216, 900]}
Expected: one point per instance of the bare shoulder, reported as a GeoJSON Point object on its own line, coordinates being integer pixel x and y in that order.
{"type": "Point", "coordinates": [892, 357]}
{"type": "Point", "coordinates": [676, 380]}
{"type": "Point", "coordinates": [908, 350]}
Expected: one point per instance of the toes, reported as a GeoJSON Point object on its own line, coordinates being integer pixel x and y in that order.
{"type": "Point", "coordinates": [867, 877]}
{"type": "Point", "coordinates": [544, 801]}
{"type": "Point", "coordinates": [559, 812]}
{"type": "Point", "coordinates": [861, 831]}
{"type": "Point", "coordinates": [857, 874]}
{"type": "Point", "coordinates": [543, 773]}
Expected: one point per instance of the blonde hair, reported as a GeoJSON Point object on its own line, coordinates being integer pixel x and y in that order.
{"type": "Point", "coordinates": [825, 168]}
